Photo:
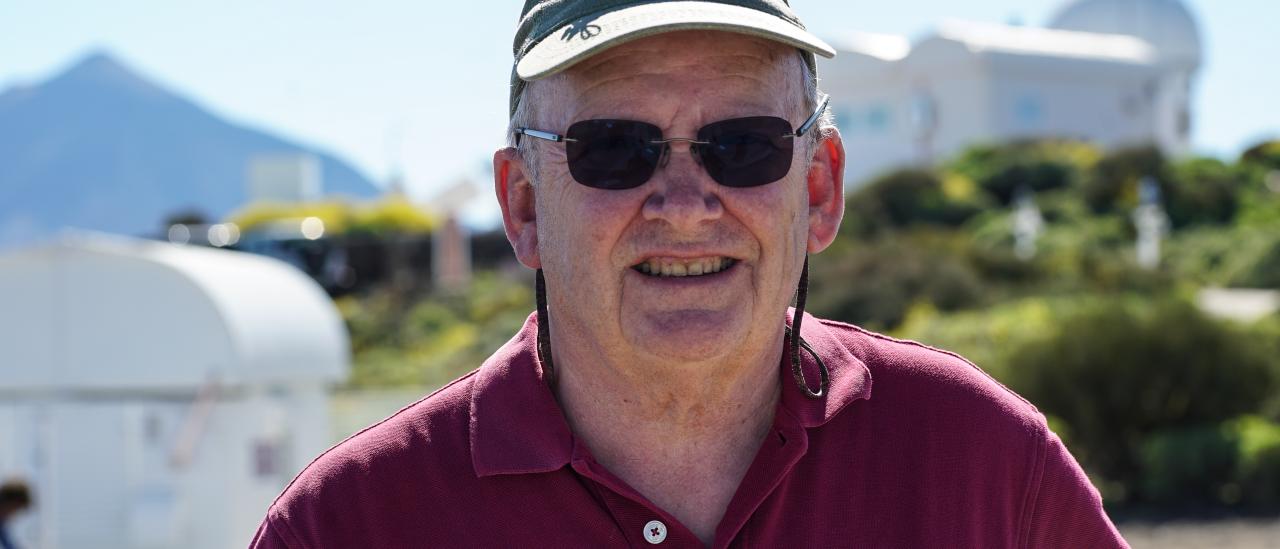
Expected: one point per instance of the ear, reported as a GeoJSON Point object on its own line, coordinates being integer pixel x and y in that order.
{"type": "Point", "coordinates": [516, 197]}
{"type": "Point", "coordinates": [826, 191]}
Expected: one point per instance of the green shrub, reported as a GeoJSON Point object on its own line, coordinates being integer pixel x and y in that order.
{"type": "Point", "coordinates": [1062, 206]}
{"type": "Point", "coordinates": [1179, 454]}
{"type": "Point", "coordinates": [901, 199]}
{"type": "Point", "coordinates": [1245, 256]}
{"type": "Point", "coordinates": [1258, 471]}
{"type": "Point", "coordinates": [874, 281]}
{"type": "Point", "coordinates": [1124, 369]}
{"type": "Point", "coordinates": [1112, 185]}
{"type": "Point", "coordinates": [401, 340]}
{"type": "Point", "coordinates": [1264, 155]}
{"type": "Point", "coordinates": [984, 336]}
{"type": "Point", "coordinates": [1037, 175]}
{"type": "Point", "coordinates": [1202, 190]}
{"type": "Point", "coordinates": [1260, 205]}
{"type": "Point", "coordinates": [1190, 465]}
{"type": "Point", "coordinates": [1267, 333]}
{"type": "Point", "coordinates": [1075, 254]}
{"type": "Point", "coordinates": [1036, 165]}
{"type": "Point", "coordinates": [1264, 272]}
{"type": "Point", "coordinates": [1236, 462]}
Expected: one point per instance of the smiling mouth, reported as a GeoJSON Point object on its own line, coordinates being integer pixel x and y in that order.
{"type": "Point", "coordinates": [671, 267]}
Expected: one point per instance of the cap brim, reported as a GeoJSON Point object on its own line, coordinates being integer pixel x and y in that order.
{"type": "Point", "coordinates": [589, 36]}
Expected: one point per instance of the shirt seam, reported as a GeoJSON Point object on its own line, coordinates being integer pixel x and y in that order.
{"type": "Point", "coordinates": [1032, 496]}
{"type": "Point", "coordinates": [594, 488]}
{"type": "Point", "coordinates": [282, 529]}
{"type": "Point", "coordinates": [883, 337]}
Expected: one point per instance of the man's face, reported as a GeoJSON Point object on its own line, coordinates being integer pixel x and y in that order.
{"type": "Point", "coordinates": [591, 241]}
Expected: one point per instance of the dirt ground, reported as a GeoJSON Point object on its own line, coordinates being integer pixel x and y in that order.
{"type": "Point", "coordinates": [1215, 534]}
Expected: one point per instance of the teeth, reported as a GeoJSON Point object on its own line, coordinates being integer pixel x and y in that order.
{"type": "Point", "coordinates": [693, 267]}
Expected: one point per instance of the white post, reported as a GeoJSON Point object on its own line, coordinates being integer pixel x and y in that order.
{"type": "Point", "coordinates": [1151, 222]}
{"type": "Point", "coordinates": [1027, 223]}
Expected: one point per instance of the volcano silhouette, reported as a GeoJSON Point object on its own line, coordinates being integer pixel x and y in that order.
{"type": "Point", "coordinates": [100, 147]}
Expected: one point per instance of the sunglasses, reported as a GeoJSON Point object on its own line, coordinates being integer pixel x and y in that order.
{"type": "Point", "coordinates": [624, 154]}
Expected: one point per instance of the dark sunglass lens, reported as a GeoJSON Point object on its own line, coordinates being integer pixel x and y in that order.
{"type": "Point", "coordinates": [746, 152]}
{"type": "Point", "coordinates": [612, 154]}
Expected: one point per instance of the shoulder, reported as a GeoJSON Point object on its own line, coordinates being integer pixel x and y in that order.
{"type": "Point", "coordinates": [916, 381]}
{"type": "Point", "coordinates": [412, 437]}
{"type": "Point", "coordinates": [937, 420]}
{"type": "Point", "coordinates": [393, 465]}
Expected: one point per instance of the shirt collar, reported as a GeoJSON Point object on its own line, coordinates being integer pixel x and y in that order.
{"type": "Point", "coordinates": [850, 379]}
{"type": "Point", "coordinates": [517, 425]}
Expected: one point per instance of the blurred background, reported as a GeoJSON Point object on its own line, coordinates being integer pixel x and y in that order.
{"type": "Point", "coordinates": [232, 235]}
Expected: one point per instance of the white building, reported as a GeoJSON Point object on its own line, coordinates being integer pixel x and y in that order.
{"type": "Point", "coordinates": [157, 395]}
{"type": "Point", "coordinates": [284, 177]}
{"type": "Point", "coordinates": [1112, 72]}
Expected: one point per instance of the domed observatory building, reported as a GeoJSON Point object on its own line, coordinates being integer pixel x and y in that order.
{"type": "Point", "coordinates": [1173, 34]}
{"type": "Point", "coordinates": [1112, 72]}
{"type": "Point", "coordinates": [157, 395]}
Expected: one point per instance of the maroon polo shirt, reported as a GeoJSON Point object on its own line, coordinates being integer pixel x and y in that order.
{"type": "Point", "coordinates": [939, 455]}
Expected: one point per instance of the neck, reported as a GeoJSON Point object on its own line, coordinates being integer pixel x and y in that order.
{"type": "Point", "coordinates": [683, 435]}
{"type": "Point", "coordinates": [691, 401]}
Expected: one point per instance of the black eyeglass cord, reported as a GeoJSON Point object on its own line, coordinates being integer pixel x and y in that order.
{"type": "Point", "coordinates": [544, 329]}
{"type": "Point", "coordinates": [795, 341]}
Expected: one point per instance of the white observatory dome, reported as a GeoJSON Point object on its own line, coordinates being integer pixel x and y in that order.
{"type": "Point", "coordinates": [1165, 24]}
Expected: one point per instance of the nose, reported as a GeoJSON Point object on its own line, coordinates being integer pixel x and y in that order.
{"type": "Point", "coordinates": [683, 195]}
{"type": "Point", "coordinates": [692, 148]}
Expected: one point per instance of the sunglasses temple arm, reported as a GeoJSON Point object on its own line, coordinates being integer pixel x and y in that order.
{"type": "Point", "coordinates": [813, 118]}
{"type": "Point", "coordinates": [542, 135]}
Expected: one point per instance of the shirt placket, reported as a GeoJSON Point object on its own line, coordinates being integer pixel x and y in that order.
{"type": "Point", "coordinates": [787, 443]}
{"type": "Point", "coordinates": [642, 523]}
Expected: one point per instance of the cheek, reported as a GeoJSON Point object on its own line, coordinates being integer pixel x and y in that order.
{"type": "Point", "coordinates": [602, 217]}
{"type": "Point", "coordinates": [586, 224]}
{"type": "Point", "coordinates": [775, 213]}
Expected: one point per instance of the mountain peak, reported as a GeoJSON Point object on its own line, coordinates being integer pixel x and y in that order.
{"type": "Point", "coordinates": [99, 147]}
{"type": "Point", "coordinates": [99, 69]}
{"type": "Point", "coordinates": [97, 60]}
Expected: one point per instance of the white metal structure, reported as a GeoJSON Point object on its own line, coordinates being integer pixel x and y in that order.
{"type": "Point", "coordinates": [158, 395]}
{"type": "Point", "coordinates": [284, 177]}
{"type": "Point", "coordinates": [1113, 72]}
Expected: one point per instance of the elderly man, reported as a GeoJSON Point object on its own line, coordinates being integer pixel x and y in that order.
{"type": "Point", "coordinates": [672, 166]}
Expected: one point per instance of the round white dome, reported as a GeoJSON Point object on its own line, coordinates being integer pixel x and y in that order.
{"type": "Point", "coordinates": [1165, 24]}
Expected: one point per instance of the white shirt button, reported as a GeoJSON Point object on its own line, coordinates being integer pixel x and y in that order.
{"type": "Point", "coordinates": [655, 532]}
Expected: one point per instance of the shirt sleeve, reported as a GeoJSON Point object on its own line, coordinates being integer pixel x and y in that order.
{"type": "Point", "coordinates": [1066, 510]}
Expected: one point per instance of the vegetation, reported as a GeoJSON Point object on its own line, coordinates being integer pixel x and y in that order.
{"type": "Point", "coordinates": [393, 214]}
{"type": "Point", "coordinates": [1163, 405]}
{"type": "Point", "coordinates": [430, 339]}
{"type": "Point", "coordinates": [1153, 372]}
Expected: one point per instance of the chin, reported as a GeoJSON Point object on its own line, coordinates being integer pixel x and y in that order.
{"type": "Point", "coordinates": [688, 335]}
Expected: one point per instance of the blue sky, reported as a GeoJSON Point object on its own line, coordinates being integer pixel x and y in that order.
{"type": "Point", "coordinates": [423, 84]}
